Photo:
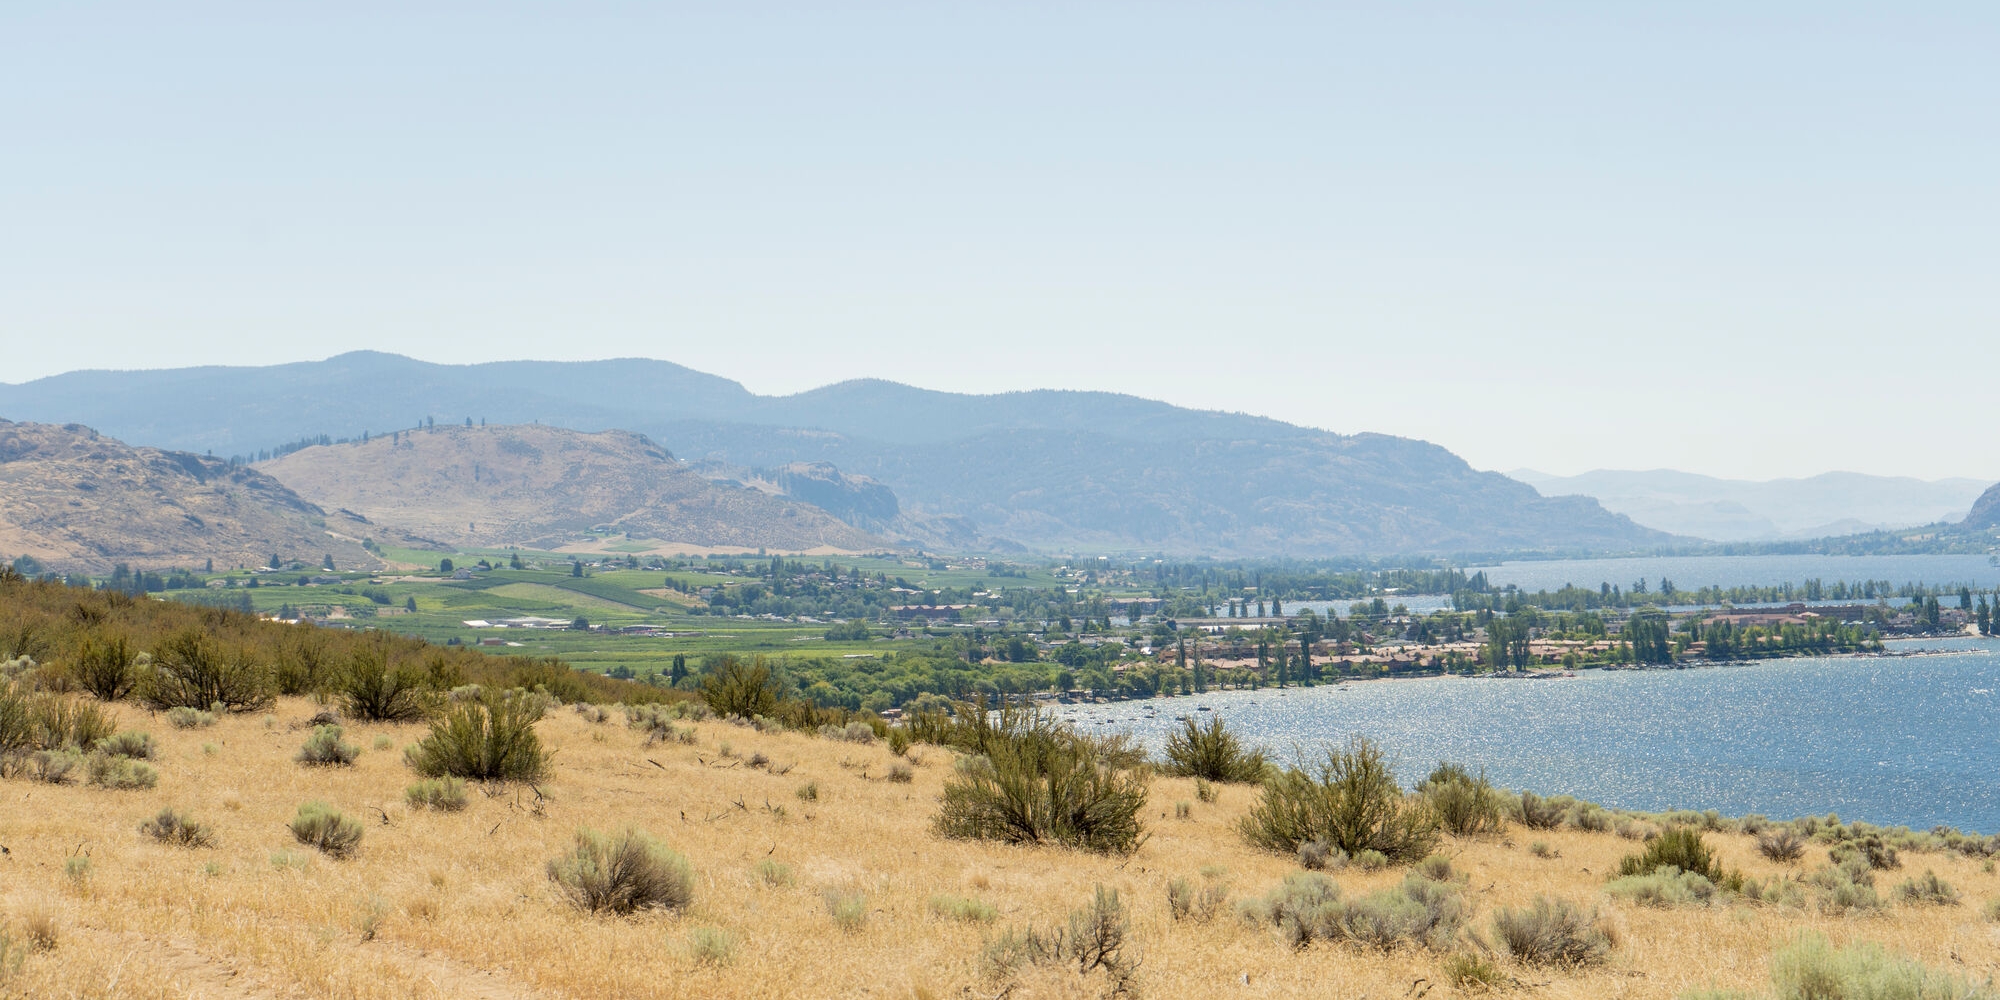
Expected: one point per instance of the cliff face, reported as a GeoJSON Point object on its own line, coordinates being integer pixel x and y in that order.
{"type": "Point", "coordinates": [78, 501]}
{"type": "Point", "coordinates": [1985, 510]}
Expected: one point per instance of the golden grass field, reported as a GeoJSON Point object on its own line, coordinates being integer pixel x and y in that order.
{"type": "Point", "coordinates": [459, 905]}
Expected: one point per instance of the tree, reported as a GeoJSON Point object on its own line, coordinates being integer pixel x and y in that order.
{"type": "Point", "coordinates": [275, 563]}
{"type": "Point", "coordinates": [679, 671]}
{"type": "Point", "coordinates": [444, 565]}
{"type": "Point", "coordinates": [514, 561]}
{"type": "Point", "coordinates": [575, 568]}
{"type": "Point", "coordinates": [410, 603]}
{"type": "Point", "coordinates": [326, 562]}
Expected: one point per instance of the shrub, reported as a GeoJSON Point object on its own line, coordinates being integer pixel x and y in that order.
{"type": "Point", "coordinates": [192, 670]}
{"type": "Point", "coordinates": [1680, 848]}
{"type": "Point", "coordinates": [1846, 887]}
{"type": "Point", "coordinates": [1463, 804]}
{"type": "Point", "coordinates": [808, 792]}
{"type": "Point", "coordinates": [1352, 803]}
{"type": "Point", "coordinates": [324, 748]}
{"type": "Point", "coordinates": [899, 741]}
{"type": "Point", "coordinates": [446, 794]}
{"type": "Point", "coordinates": [183, 717]}
{"type": "Point", "coordinates": [1469, 972]}
{"type": "Point", "coordinates": [853, 732]}
{"type": "Point", "coordinates": [1093, 940]}
{"type": "Point", "coordinates": [1371, 861]}
{"type": "Point", "coordinates": [1664, 887]}
{"type": "Point", "coordinates": [1187, 902]}
{"type": "Point", "coordinates": [1045, 783]}
{"type": "Point", "coordinates": [1541, 849]}
{"type": "Point", "coordinates": [1552, 932]}
{"type": "Point", "coordinates": [901, 773]}
{"type": "Point", "coordinates": [1927, 891]}
{"type": "Point", "coordinates": [1438, 868]}
{"type": "Point", "coordinates": [375, 692]}
{"type": "Point", "coordinates": [1537, 813]}
{"type": "Point", "coordinates": [711, 946]}
{"type": "Point", "coordinates": [734, 688]}
{"type": "Point", "coordinates": [1420, 911]}
{"type": "Point", "coordinates": [53, 767]}
{"type": "Point", "coordinates": [774, 873]}
{"type": "Point", "coordinates": [1811, 969]}
{"type": "Point", "coordinates": [1212, 753]}
{"type": "Point", "coordinates": [849, 910]}
{"type": "Point", "coordinates": [1204, 791]}
{"type": "Point", "coordinates": [485, 741]}
{"type": "Point", "coordinates": [177, 830]}
{"type": "Point", "coordinates": [56, 722]}
{"type": "Point", "coordinates": [622, 875]}
{"type": "Point", "coordinates": [1782, 844]}
{"type": "Point", "coordinates": [1870, 848]}
{"type": "Point", "coordinates": [318, 826]}
{"type": "Point", "coordinates": [108, 771]}
{"type": "Point", "coordinates": [106, 668]}
{"type": "Point", "coordinates": [959, 908]}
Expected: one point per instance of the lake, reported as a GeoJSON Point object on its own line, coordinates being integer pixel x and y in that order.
{"type": "Point", "coordinates": [1691, 572]}
{"type": "Point", "coordinates": [1909, 741]}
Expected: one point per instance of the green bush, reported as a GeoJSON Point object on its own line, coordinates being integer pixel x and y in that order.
{"type": "Point", "coordinates": [711, 946]}
{"type": "Point", "coordinates": [192, 670]}
{"type": "Point", "coordinates": [1187, 901]}
{"type": "Point", "coordinates": [123, 773]}
{"type": "Point", "coordinates": [375, 692]}
{"type": "Point", "coordinates": [737, 689]}
{"type": "Point", "coordinates": [1212, 753]}
{"type": "Point", "coordinates": [1664, 887]}
{"type": "Point", "coordinates": [54, 722]}
{"type": "Point", "coordinates": [1844, 888]}
{"type": "Point", "coordinates": [183, 717]}
{"type": "Point", "coordinates": [1812, 969]}
{"type": "Point", "coordinates": [1878, 853]}
{"type": "Point", "coordinates": [622, 875]}
{"type": "Point", "coordinates": [319, 826]}
{"type": "Point", "coordinates": [849, 910]}
{"type": "Point", "coordinates": [1421, 911]}
{"type": "Point", "coordinates": [1552, 932]}
{"type": "Point", "coordinates": [324, 748]}
{"type": "Point", "coordinates": [1470, 972]}
{"type": "Point", "coordinates": [446, 794]}
{"type": "Point", "coordinates": [1680, 848]}
{"type": "Point", "coordinates": [1537, 813]}
{"type": "Point", "coordinates": [105, 668]}
{"type": "Point", "coordinates": [177, 830]}
{"type": "Point", "coordinates": [1463, 803]}
{"type": "Point", "coordinates": [775, 874]}
{"type": "Point", "coordinates": [1927, 891]}
{"type": "Point", "coordinates": [1045, 783]}
{"type": "Point", "coordinates": [1351, 802]}
{"type": "Point", "coordinates": [131, 743]}
{"type": "Point", "coordinates": [492, 740]}
{"type": "Point", "coordinates": [959, 908]}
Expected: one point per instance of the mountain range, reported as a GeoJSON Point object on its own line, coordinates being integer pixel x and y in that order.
{"type": "Point", "coordinates": [1731, 510]}
{"type": "Point", "coordinates": [1041, 470]}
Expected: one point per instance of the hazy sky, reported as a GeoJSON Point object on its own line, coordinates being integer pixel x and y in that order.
{"type": "Point", "coordinates": [1743, 239]}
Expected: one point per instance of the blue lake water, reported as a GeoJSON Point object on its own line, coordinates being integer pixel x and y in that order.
{"type": "Point", "coordinates": [1895, 740]}
{"type": "Point", "coordinates": [1690, 572]}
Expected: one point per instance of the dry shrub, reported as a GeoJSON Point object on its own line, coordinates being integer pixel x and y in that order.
{"type": "Point", "coordinates": [1186, 901]}
{"type": "Point", "coordinates": [183, 717]}
{"type": "Point", "coordinates": [105, 667]}
{"type": "Point", "coordinates": [622, 874]}
{"type": "Point", "coordinates": [1351, 801]}
{"type": "Point", "coordinates": [321, 827]}
{"type": "Point", "coordinates": [1093, 940]}
{"type": "Point", "coordinates": [1552, 932]}
{"type": "Point", "coordinates": [177, 830]}
{"type": "Point", "coordinates": [849, 910]}
{"type": "Point", "coordinates": [1812, 969]}
{"type": "Point", "coordinates": [1782, 845]}
{"type": "Point", "coordinates": [1537, 813]}
{"type": "Point", "coordinates": [1927, 891]}
{"type": "Point", "coordinates": [324, 748]}
{"type": "Point", "coordinates": [959, 908]}
{"type": "Point", "coordinates": [1464, 803]}
{"type": "Point", "coordinates": [1308, 907]}
{"type": "Point", "coordinates": [111, 771]}
{"type": "Point", "coordinates": [373, 691]}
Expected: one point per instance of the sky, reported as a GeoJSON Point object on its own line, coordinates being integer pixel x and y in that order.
{"type": "Point", "coordinates": [1744, 239]}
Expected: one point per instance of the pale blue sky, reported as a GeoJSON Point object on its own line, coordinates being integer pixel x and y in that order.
{"type": "Point", "coordinates": [1555, 235]}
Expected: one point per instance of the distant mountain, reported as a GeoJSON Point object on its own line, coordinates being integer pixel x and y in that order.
{"type": "Point", "coordinates": [1985, 512]}
{"type": "Point", "coordinates": [548, 487]}
{"type": "Point", "coordinates": [1046, 469]}
{"type": "Point", "coordinates": [78, 501]}
{"type": "Point", "coordinates": [1731, 510]}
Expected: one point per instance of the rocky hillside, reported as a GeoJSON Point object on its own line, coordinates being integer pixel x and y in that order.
{"type": "Point", "coordinates": [78, 501]}
{"type": "Point", "coordinates": [546, 487]}
{"type": "Point", "coordinates": [1043, 470]}
{"type": "Point", "coordinates": [1985, 510]}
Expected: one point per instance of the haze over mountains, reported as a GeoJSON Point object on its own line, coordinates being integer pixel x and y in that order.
{"type": "Point", "coordinates": [76, 500]}
{"type": "Point", "coordinates": [1731, 510]}
{"type": "Point", "coordinates": [1040, 470]}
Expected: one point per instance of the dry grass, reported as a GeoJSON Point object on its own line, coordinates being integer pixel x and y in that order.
{"type": "Point", "coordinates": [466, 908]}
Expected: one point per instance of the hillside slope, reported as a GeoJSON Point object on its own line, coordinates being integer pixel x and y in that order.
{"type": "Point", "coordinates": [1043, 469]}
{"type": "Point", "coordinates": [78, 501]}
{"type": "Point", "coordinates": [1729, 510]}
{"type": "Point", "coordinates": [547, 487]}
